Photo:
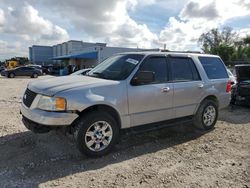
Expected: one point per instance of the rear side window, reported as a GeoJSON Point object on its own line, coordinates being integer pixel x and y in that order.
{"type": "Point", "coordinates": [28, 68]}
{"type": "Point", "coordinates": [213, 67]}
{"type": "Point", "coordinates": [183, 69]}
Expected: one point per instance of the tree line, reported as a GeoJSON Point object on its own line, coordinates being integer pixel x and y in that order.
{"type": "Point", "coordinates": [227, 44]}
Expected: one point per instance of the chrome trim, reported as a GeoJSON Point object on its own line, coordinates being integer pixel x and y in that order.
{"type": "Point", "coordinates": [98, 136]}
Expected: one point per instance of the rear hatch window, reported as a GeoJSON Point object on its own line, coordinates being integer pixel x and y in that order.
{"type": "Point", "coordinates": [213, 67]}
{"type": "Point", "coordinates": [243, 73]}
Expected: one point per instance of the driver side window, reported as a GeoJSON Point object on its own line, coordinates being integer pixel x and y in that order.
{"type": "Point", "coordinates": [157, 65]}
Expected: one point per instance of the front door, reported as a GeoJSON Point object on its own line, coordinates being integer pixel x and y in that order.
{"type": "Point", "coordinates": [151, 102]}
{"type": "Point", "coordinates": [19, 71]}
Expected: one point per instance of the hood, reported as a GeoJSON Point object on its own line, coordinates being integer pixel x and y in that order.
{"type": "Point", "coordinates": [242, 72]}
{"type": "Point", "coordinates": [52, 86]}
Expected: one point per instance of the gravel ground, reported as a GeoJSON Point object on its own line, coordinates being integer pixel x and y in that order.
{"type": "Point", "coordinates": [171, 157]}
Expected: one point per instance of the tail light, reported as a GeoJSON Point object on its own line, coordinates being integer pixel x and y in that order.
{"type": "Point", "coordinates": [229, 86]}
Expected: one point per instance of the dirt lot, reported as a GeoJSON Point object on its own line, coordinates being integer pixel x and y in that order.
{"type": "Point", "coordinates": [172, 157]}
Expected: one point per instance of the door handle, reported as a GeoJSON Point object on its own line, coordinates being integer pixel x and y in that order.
{"type": "Point", "coordinates": [200, 85]}
{"type": "Point", "coordinates": [165, 89]}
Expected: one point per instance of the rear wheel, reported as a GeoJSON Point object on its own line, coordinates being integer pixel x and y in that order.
{"type": "Point", "coordinates": [11, 75]}
{"type": "Point", "coordinates": [207, 114]}
{"type": "Point", "coordinates": [34, 75]}
{"type": "Point", "coordinates": [96, 134]}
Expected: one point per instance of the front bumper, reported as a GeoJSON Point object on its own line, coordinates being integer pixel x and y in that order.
{"type": "Point", "coordinates": [48, 118]}
{"type": "Point", "coordinates": [3, 73]}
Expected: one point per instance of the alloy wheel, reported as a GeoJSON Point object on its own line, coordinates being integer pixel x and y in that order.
{"type": "Point", "coordinates": [98, 136]}
{"type": "Point", "coordinates": [209, 115]}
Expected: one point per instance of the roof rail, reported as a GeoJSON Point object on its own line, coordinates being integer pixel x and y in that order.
{"type": "Point", "coordinates": [196, 52]}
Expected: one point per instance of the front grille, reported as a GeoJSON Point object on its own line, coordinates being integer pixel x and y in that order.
{"type": "Point", "coordinates": [28, 97]}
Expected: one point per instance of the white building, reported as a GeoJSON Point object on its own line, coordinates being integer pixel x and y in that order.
{"type": "Point", "coordinates": [83, 54]}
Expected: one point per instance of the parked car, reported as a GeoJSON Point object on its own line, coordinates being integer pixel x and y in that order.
{"type": "Point", "coordinates": [52, 69]}
{"type": "Point", "coordinates": [129, 90]}
{"type": "Point", "coordinates": [22, 71]}
{"type": "Point", "coordinates": [39, 67]}
{"type": "Point", "coordinates": [81, 72]}
{"type": "Point", "coordinates": [241, 91]}
{"type": "Point", "coordinates": [232, 78]}
{"type": "Point", "coordinates": [1, 69]}
{"type": "Point", "coordinates": [47, 69]}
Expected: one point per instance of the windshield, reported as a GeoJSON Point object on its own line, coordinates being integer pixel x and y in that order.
{"type": "Point", "coordinates": [117, 67]}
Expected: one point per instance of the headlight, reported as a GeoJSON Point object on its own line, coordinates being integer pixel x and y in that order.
{"type": "Point", "coordinates": [52, 103]}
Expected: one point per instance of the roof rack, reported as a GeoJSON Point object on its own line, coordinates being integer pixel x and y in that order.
{"type": "Point", "coordinates": [196, 52]}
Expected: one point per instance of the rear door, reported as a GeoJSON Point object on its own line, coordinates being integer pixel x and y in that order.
{"type": "Point", "coordinates": [187, 84]}
{"type": "Point", "coordinates": [151, 102]}
{"type": "Point", "coordinates": [218, 78]}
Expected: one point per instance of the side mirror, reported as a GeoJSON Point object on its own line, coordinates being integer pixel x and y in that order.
{"type": "Point", "coordinates": [143, 77]}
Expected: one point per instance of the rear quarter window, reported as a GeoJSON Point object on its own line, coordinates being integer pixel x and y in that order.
{"type": "Point", "coordinates": [213, 67]}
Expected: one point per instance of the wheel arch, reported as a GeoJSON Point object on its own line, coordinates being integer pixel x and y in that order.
{"type": "Point", "coordinates": [212, 97]}
{"type": "Point", "coordinates": [103, 108]}
{"type": "Point", "coordinates": [209, 97]}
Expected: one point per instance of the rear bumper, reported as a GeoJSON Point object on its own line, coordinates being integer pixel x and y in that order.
{"type": "Point", "coordinates": [42, 117]}
{"type": "Point", "coordinates": [243, 100]}
{"type": "Point", "coordinates": [224, 100]}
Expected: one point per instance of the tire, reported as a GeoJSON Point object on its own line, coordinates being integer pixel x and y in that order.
{"type": "Point", "coordinates": [34, 75]}
{"type": "Point", "coordinates": [206, 115]}
{"type": "Point", "coordinates": [11, 75]}
{"type": "Point", "coordinates": [98, 141]}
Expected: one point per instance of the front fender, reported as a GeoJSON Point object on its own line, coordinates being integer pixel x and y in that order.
{"type": "Point", "coordinates": [115, 96]}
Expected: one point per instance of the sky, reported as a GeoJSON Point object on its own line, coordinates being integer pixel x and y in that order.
{"type": "Point", "coordinates": [123, 23]}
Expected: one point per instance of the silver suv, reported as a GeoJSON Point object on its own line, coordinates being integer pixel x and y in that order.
{"type": "Point", "coordinates": [128, 90]}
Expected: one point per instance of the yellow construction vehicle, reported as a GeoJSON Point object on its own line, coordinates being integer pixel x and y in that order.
{"type": "Point", "coordinates": [11, 64]}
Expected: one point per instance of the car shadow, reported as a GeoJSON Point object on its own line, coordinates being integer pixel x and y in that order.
{"type": "Point", "coordinates": [235, 114]}
{"type": "Point", "coordinates": [28, 160]}
{"type": "Point", "coordinates": [27, 77]}
{"type": "Point", "coordinates": [16, 77]}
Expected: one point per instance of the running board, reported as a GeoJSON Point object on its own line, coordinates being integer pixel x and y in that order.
{"type": "Point", "coordinates": [156, 126]}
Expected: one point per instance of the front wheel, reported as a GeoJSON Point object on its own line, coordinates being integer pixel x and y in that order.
{"type": "Point", "coordinates": [96, 134]}
{"type": "Point", "coordinates": [207, 114]}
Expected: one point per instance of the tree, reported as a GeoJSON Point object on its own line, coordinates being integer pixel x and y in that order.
{"type": "Point", "coordinates": [246, 40]}
{"type": "Point", "coordinates": [242, 50]}
{"type": "Point", "coordinates": [212, 40]}
{"type": "Point", "coordinates": [225, 52]}
{"type": "Point", "coordinates": [226, 44]}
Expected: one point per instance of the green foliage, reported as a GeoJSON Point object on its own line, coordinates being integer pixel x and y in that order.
{"type": "Point", "coordinates": [246, 40]}
{"type": "Point", "coordinates": [224, 51]}
{"type": "Point", "coordinates": [226, 44]}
